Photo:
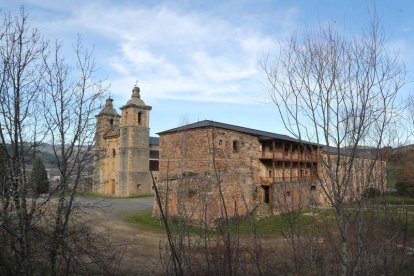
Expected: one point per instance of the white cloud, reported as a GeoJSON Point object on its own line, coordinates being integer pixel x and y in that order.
{"type": "Point", "coordinates": [173, 52]}
{"type": "Point", "coordinates": [192, 56]}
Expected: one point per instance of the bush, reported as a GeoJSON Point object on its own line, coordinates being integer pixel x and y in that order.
{"type": "Point", "coordinates": [405, 189]}
{"type": "Point", "coordinates": [371, 192]}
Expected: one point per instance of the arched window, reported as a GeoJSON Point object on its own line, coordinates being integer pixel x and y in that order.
{"type": "Point", "coordinates": [139, 117]}
{"type": "Point", "coordinates": [111, 121]}
{"type": "Point", "coordinates": [113, 152]}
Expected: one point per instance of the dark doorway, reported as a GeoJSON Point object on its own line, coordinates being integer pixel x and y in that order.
{"type": "Point", "coordinates": [266, 194]}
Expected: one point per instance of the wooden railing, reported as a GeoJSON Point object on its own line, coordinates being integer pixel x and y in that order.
{"type": "Point", "coordinates": [287, 156]}
{"type": "Point", "coordinates": [271, 180]}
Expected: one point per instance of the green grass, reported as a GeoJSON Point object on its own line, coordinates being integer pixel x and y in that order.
{"type": "Point", "coordinates": [274, 225]}
{"type": "Point", "coordinates": [393, 200]}
{"type": "Point", "coordinates": [145, 221]}
{"type": "Point", "coordinates": [408, 208]}
{"type": "Point", "coordinates": [91, 195]}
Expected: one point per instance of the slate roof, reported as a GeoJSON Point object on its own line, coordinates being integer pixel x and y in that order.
{"type": "Point", "coordinates": [262, 135]}
{"type": "Point", "coordinates": [108, 109]}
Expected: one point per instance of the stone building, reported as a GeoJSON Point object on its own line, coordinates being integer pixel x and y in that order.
{"type": "Point", "coordinates": [125, 153]}
{"type": "Point", "coordinates": [210, 170]}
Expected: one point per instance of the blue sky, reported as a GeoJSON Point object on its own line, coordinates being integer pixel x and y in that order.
{"type": "Point", "coordinates": [197, 60]}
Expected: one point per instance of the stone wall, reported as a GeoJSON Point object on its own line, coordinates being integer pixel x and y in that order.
{"type": "Point", "coordinates": [208, 149]}
{"type": "Point", "coordinates": [134, 175]}
{"type": "Point", "coordinates": [207, 172]}
{"type": "Point", "coordinates": [111, 165]}
{"type": "Point", "coordinates": [286, 197]}
{"type": "Point", "coordinates": [351, 177]}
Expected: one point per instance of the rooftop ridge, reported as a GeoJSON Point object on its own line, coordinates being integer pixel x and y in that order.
{"type": "Point", "coordinates": [255, 132]}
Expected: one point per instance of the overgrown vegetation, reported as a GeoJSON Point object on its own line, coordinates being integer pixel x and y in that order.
{"type": "Point", "coordinates": [45, 99]}
{"type": "Point", "coordinates": [405, 189]}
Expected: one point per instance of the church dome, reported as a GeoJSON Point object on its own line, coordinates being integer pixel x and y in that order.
{"type": "Point", "coordinates": [136, 98]}
{"type": "Point", "coordinates": [109, 109]}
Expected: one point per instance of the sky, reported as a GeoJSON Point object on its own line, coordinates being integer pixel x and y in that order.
{"type": "Point", "coordinates": [201, 60]}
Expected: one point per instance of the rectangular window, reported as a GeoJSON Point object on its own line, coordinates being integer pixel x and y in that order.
{"type": "Point", "coordinates": [235, 146]}
{"type": "Point", "coordinates": [139, 117]}
{"type": "Point", "coordinates": [154, 165]}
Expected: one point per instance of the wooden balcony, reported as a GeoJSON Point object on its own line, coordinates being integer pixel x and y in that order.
{"type": "Point", "coordinates": [287, 156]}
{"type": "Point", "coordinates": [266, 181]}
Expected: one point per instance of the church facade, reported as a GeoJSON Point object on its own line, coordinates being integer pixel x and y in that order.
{"type": "Point", "coordinates": [125, 154]}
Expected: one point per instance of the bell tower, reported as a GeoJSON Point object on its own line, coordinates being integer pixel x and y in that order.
{"type": "Point", "coordinates": [134, 174]}
{"type": "Point", "coordinates": [106, 121]}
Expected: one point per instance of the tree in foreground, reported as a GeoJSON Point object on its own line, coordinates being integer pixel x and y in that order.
{"type": "Point", "coordinates": [46, 99]}
{"type": "Point", "coordinates": [339, 90]}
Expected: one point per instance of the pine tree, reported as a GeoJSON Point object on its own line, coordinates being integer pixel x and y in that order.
{"type": "Point", "coordinates": [39, 177]}
{"type": "Point", "coordinates": [3, 171]}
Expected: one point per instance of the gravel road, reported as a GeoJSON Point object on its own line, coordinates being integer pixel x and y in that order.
{"type": "Point", "coordinates": [116, 208]}
{"type": "Point", "coordinates": [140, 249]}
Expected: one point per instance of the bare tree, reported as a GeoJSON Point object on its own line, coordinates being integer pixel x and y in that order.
{"type": "Point", "coordinates": [339, 91]}
{"type": "Point", "coordinates": [21, 71]}
{"type": "Point", "coordinates": [45, 99]}
{"type": "Point", "coordinates": [72, 96]}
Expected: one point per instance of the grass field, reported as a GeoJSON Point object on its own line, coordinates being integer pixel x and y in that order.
{"type": "Point", "coordinates": [91, 195]}
{"type": "Point", "coordinates": [264, 226]}
{"type": "Point", "coordinates": [274, 225]}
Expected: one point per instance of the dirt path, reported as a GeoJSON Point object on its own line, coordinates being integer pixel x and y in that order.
{"type": "Point", "coordinates": [140, 249]}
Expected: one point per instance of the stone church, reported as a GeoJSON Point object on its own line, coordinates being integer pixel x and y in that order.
{"type": "Point", "coordinates": [125, 153]}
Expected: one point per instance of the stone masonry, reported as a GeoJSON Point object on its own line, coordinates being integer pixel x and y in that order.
{"type": "Point", "coordinates": [122, 145]}
{"type": "Point", "coordinates": [210, 171]}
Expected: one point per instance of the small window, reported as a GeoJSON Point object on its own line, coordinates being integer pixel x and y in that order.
{"type": "Point", "coordinates": [286, 150]}
{"type": "Point", "coordinates": [113, 152]}
{"type": "Point", "coordinates": [288, 197]}
{"type": "Point", "coordinates": [270, 173]}
{"type": "Point", "coordinates": [139, 117]}
{"type": "Point", "coordinates": [154, 165]}
{"type": "Point", "coordinates": [111, 122]}
{"type": "Point", "coordinates": [313, 188]}
{"type": "Point", "coordinates": [235, 146]}
{"type": "Point", "coordinates": [220, 142]}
